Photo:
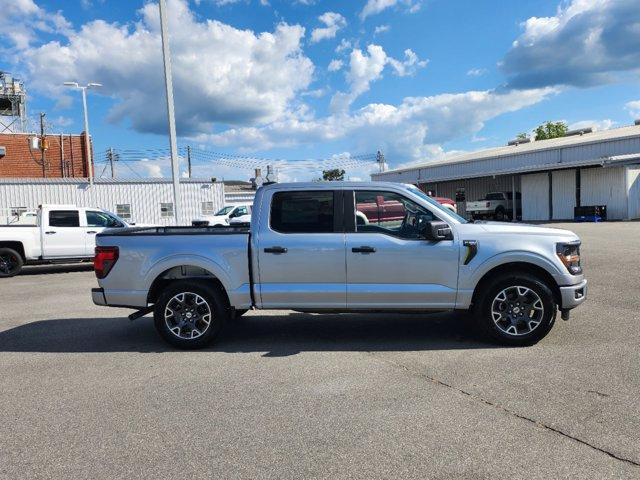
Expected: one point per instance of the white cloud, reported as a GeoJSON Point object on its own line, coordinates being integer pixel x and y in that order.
{"type": "Point", "coordinates": [409, 66]}
{"type": "Point", "coordinates": [333, 22]}
{"type": "Point", "coordinates": [335, 65]}
{"type": "Point", "coordinates": [23, 19]}
{"type": "Point", "coordinates": [476, 72]}
{"type": "Point", "coordinates": [413, 130]}
{"type": "Point", "coordinates": [344, 45]}
{"type": "Point", "coordinates": [597, 125]}
{"type": "Point", "coordinates": [373, 7]}
{"type": "Point", "coordinates": [381, 29]}
{"type": "Point", "coordinates": [365, 68]}
{"type": "Point", "coordinates": [584, 44]}
{"type": "Point", "coordinates": [633, 108]}
{"type": "Point", "coordinates": [220, 74]}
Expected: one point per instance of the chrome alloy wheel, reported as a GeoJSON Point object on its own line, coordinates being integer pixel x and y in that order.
{"type": "Point", "coordinates": [187, 315]}
{"type": "Point", "coordinates": [517, 310]}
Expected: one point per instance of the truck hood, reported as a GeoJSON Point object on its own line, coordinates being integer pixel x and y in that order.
{"type": "Point", "coordinates": [505, 228]}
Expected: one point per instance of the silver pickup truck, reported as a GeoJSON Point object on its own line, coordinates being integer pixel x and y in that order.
{"type": "Point", "coordinates": [328, 247]}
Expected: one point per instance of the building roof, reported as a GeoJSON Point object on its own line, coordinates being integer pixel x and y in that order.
{"type": "Point", "coordinates": [577, 150]}
{"type": "Point", "coordinates": [79, 181]}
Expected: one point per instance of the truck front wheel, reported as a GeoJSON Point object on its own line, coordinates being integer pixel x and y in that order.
{"type": "Point", "coordinates": [516, 309]}
{"type": "Point", "coordinates": [10, 263]}
{"type": "Point", "coordinates": [190, 314]}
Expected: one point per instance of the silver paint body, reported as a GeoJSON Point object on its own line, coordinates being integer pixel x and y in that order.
{"type": "Point", "coordinates": [319, 271]}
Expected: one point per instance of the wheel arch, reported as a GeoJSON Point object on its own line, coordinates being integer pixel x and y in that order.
{"type": "Point", "coordinates": [14, 245]}
{"type": "Point", "coordinates": [516, 267]}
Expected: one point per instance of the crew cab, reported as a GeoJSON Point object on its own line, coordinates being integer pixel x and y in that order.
{"type": "Point", "coordinates": [495, 205]}
{"type": "Point", "coordinates": [61, 233]}
{"type": "Point", "coordinates": [306, 250]}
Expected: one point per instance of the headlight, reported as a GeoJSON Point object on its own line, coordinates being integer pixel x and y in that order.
{"type": "Point", "coordinates": [569, 254]}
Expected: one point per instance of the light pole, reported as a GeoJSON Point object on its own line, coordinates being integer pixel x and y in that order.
{"type": "Point", "coordinates": [86, 122]}
{"type": "Point", "coordinates": [168, 83]}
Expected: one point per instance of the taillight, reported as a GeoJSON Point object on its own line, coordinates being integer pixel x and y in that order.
{"type": "Point", "coordinates": [488, 204]}
{"type": "Point", "coordinates": [105, 259]}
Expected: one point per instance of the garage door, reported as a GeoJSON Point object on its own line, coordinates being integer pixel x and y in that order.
{"type": "Point", "coordinates": [605, 186]}
{"type": "Point", "coordinates": [564, 194]}
{"type": "Point", "coordinates": [535, 197]}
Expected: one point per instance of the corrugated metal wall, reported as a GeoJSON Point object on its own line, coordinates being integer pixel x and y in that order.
{"type": "Point", "coordinates": [564, 194]}
{"type": "Point", "coordinates": [144, 198]}
{"type": "Point", "coordinates": [605, 186]}
{"type": "Point", "coordinates": [633, 187]}
{"type": "Point", "coordinates": [535, 197]}
{"type": "Point", "coordinates": [475, 188]}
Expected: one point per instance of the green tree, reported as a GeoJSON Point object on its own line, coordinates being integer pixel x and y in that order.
{"type": "Point", "coordinates": [522, 136]}
{"type": "Point", "coordinates": [551, 130]}
{"type": "Point", "coordinates": [335, 174]}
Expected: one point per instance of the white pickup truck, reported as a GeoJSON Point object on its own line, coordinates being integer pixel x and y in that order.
{"type": "Point", "coordinates": [61, 233]}
{"type": "Point", "coordinates": [495, 205]}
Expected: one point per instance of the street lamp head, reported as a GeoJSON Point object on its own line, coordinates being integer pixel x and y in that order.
{"type": "Point", "coordinates": [71, 84]}
{"type": "Point", "coordinates": [94, 85]}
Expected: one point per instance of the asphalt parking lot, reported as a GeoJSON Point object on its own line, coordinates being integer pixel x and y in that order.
{"type": "Point", "coordinates": [86, 393]}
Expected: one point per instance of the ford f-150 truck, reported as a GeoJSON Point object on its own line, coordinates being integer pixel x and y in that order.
{"type": "Point", "coordinates": [61, 233]}
{"type": "Point", "coordinates": [496, 205]}
{"type": "Point", "coordinates": [306, 251]}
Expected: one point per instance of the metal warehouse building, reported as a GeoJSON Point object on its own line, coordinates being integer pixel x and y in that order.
{"type": "Point", "coordinates": [139, 200]}
{"type": "Point", "coordinates": [553, 176]}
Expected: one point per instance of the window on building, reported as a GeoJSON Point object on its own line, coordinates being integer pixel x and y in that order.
{"type": "Point", "coordinates": [166, 210]}
{"type": "Point", "coordinates": [123, 210]}
{"type": "Point", "coordinates": [389, 213]}
{"type": "Point", "coordinates": [207, 208]}
{"type": "Point", "coordinates": [64, 218]}
{"type": "Point", "coordinates": [302, 212]}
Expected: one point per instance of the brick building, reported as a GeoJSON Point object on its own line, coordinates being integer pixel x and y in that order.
{"type": "Point", "coordinates": [65, 156]}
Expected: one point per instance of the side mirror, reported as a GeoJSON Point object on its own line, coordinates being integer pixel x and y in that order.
{"type": "Point", "coordinates": [437, 231]}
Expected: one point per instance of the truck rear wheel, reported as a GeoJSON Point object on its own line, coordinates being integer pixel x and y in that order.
{"type": "Point", "coordinates": [190, 314]}
{"type": "Point", "coordinates": [10, 263]}
{"type": "Point", "coordinates": [516, 309]}
{"type": "Point", "coordinates": [500, 214]}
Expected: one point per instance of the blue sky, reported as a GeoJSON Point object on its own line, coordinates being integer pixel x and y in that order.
{"type": "Point", "coordinates": [312, 79]}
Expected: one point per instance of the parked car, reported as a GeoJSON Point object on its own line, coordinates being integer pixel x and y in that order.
{"type": "Point", "coordinates": [495, 205]}
{"type": "Point", "coordinates": [61, 233]}
{"type": "Point", "coordinates": [306, 251]}
{"type": "Point", "coordinates": [224, 216]}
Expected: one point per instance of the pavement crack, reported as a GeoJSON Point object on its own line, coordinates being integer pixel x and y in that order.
{"type": "Point", "coordinates": [506, 410]}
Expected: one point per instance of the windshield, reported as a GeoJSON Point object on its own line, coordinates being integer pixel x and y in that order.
{"type": "Point", "coordinates": [225, 210]}
{"type": "Point", "coordinates": [415, 190]}
{"type": "Point", "coordinates": [116, 218]}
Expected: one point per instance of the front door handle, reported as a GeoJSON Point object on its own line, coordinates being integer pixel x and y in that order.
{"type": "Point", "coordinates": [49, 233]}
{"type": "Point", "coordinates": [91, 231]}
{"type": "Point", "coordinates": [275, 250]}
{"type": "Point", "coordinates": [363, 249]}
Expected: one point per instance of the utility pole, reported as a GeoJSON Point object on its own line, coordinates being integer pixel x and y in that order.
{"type": "Point", "coordinates": [168, 82]}
{"type": "Point", "coordinates": [110, 155]}
{"type": "Point", "coordinates": [380, 160]}
{"type": "Point", "coordinates": [43, 146]}
{"type": "Point", "coordinates": [189, 159]}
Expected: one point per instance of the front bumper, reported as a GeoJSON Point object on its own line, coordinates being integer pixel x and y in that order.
{"type": "Point", "coordinates": [97, 295]}
{"type": "Point", "coordinates": [573, 295]}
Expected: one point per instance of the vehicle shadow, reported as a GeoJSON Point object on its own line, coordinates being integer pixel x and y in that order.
{"type": "Point", "coordinates": [272, 335]}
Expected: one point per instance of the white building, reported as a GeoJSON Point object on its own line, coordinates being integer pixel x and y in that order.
{"type": "Point", "coordinates": [553, 176]}
{"type": "Point", "coordinates": [136, 200]}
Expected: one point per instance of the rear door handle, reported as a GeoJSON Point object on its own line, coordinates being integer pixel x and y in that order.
{"type": "Point", "coordinates": [49, 233]}
{"type": "Point", "coordinates": [363, 249]}
{"type": "Point", "coordinates": [275, 250]}
{"type": "Point", "coordinates": [91, 231]}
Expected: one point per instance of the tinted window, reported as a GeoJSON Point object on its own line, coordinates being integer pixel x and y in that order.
{"type": "Point", "coordinates": [494, 196]}
{"type": "Point", "coordinates": [166, 210]}
{"type": "Point", "coordinates": [302, 212]}
{"type": "Point", "coordinates": [101, 219]}
{"type": "Point", "coordinates": [64, 218]}
{"type": "Point", "coordinates": [390, 213]}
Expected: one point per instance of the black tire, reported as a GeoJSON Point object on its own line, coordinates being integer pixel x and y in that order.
{"type": "Point", "coordinates": [11, 262]}
{"type": "Point", "coordinates": [215, 302]}
{"type": "Point", "coordinates": [500, 214]}
{"type": "Point", "coordinates": [494, 331]}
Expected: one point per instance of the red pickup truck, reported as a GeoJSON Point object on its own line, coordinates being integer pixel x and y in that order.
{"type": "Point", "coordinates": [379, 209]}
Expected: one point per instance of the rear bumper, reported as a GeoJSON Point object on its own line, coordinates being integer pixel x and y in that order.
{"type": "Point", "coordinates": [573, 295]}
{"type": "Point", "coordinates": [97, 295]}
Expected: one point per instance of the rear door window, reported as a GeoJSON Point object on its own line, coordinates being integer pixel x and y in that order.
{"type": "Point", "coordinates": [303, 212]}
{"type": "Point", "coordinates": [64, 218]}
